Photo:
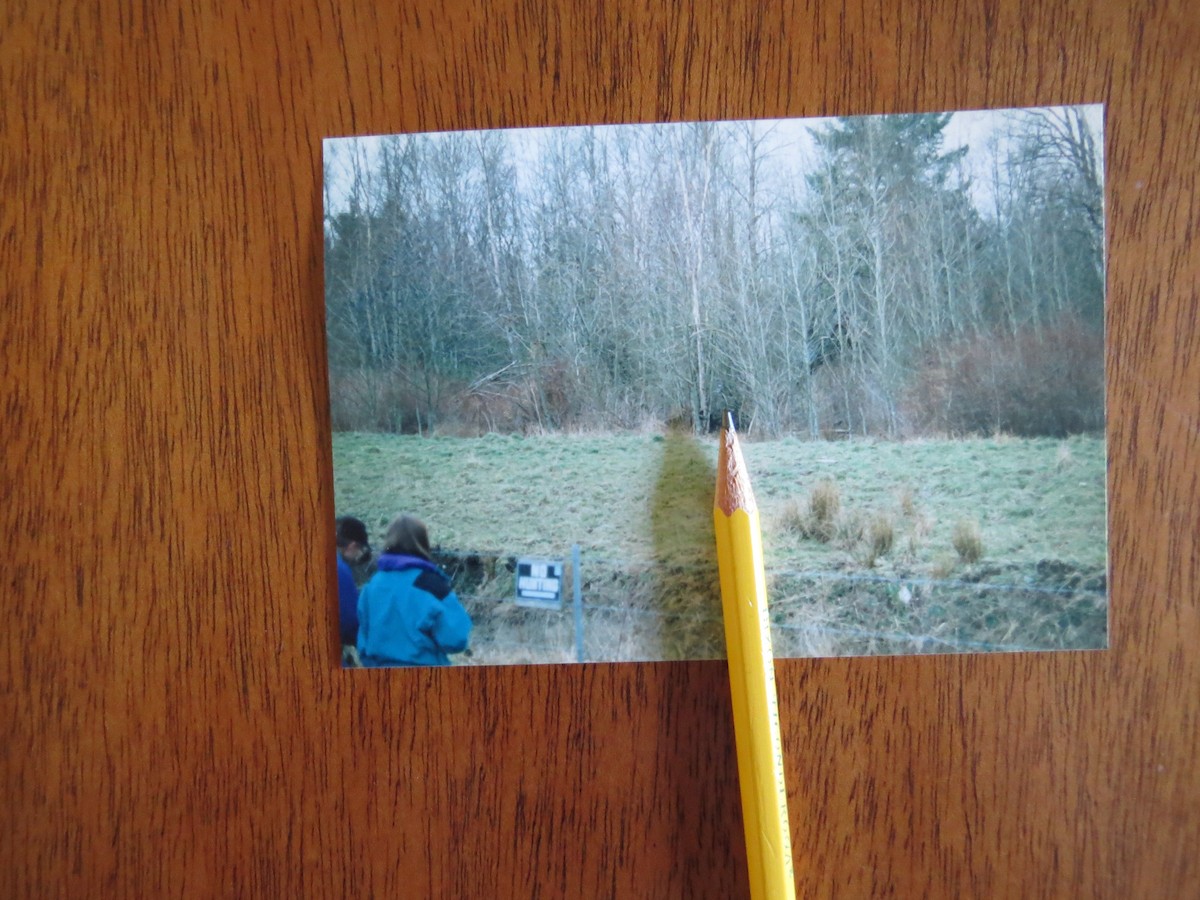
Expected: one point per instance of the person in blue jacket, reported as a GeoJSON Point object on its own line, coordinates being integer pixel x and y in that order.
{"type": "Point", "coordinates": [408, 615]}
{"type": "Point", "coordinates": [353, 548]}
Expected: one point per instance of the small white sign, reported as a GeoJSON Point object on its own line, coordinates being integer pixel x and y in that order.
{"type": "Point", "coordinates": [539, 583]}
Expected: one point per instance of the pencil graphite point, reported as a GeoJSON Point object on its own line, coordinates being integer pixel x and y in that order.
{"type": "Point", "coordinates": [733, 479]}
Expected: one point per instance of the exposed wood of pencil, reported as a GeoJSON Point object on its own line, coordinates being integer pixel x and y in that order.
{"type": "Point", "coordinates": [733, 480]}
{"type": "Point", "coordinates": [751, 675]}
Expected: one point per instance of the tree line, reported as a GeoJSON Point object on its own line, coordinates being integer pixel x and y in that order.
{"type": "Point", "coordinates": [857, 283]}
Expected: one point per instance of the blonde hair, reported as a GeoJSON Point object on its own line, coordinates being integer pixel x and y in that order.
{"type": "Point", "coordinates": [407, 535]}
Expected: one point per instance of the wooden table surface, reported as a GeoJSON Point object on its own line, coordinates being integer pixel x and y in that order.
{"type": "Point", "coordinates": [175, 720]}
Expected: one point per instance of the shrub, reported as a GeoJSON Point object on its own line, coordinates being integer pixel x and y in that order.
{"type": "Point", "coordinates": [878, 536]}
{"type": "Point", "coordinates": [531, 398]}
{"type": "Point", "coordinates": [820, 518]}
{"type": "Point", "coordinates": [1036, 382]}
{"type": "Point", "coordinates": [824, 504]}
{"type": "Point", "coordinates": [967, 540]}
{"type": "Point", "coordinates": [387, 400]}
{"type": "Point", "coordinates": [850, 401]}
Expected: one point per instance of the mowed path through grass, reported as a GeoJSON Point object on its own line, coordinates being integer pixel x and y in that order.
{"type": "Point", "coordinates": [648, 498]}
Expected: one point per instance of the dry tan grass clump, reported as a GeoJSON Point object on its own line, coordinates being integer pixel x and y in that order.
{"type": "Point", "coordinates": [825, 503]}
{"type": "Point", "coordinates": [876, 538]}
{"type": "Point", "coordinates": [820, 517]}
{"type": "Point", "coordinates": [881, 534]}
{"type": "Point", "coordinates": [967, 540]}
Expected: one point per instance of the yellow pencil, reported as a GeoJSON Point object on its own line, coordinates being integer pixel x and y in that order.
{"type": "Point", "coordinates": [751, 675]}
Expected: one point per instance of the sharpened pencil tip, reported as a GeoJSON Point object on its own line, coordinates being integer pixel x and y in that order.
{"type": "Point", "coordinates": [733, 481]}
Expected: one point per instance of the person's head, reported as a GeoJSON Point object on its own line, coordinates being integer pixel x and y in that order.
{"type": "Point", "coordinates": [407, 536]}
{"type": "Point", "coordinates": [352, 540]}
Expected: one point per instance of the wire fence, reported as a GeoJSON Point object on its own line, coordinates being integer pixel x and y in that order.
{"type": "Point", "coordinates": [629, 610]}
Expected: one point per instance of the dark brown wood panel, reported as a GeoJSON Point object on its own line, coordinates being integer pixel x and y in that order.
{"type": "Point", "coordinates": [175, 721]}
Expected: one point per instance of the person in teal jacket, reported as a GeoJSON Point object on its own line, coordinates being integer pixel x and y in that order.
{"type": "Point", "coordinates": [408, 614]}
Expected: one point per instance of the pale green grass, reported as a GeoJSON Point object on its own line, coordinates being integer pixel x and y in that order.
{"type": "Point", "coordinates": [640, 507]}
{"type": "Point", "coordinates": [647, 498]}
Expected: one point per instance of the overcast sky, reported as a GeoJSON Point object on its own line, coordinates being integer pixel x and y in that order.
{"type": "Point", "coordinates": [973, 129]}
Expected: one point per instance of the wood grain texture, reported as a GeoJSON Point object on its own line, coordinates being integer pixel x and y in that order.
{"type": "Point", "coordinates": [175, 721]}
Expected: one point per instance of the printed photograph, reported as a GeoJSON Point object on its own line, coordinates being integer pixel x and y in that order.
{"type": "Point", "coordinates": [534, 335]}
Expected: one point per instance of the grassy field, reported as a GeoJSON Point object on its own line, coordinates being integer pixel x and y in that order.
{"type": "Point", "coordinates": [871, 547]}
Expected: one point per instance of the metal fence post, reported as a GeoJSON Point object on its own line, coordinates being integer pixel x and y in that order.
{"type": "Point", "coordinates": [578, 579]}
